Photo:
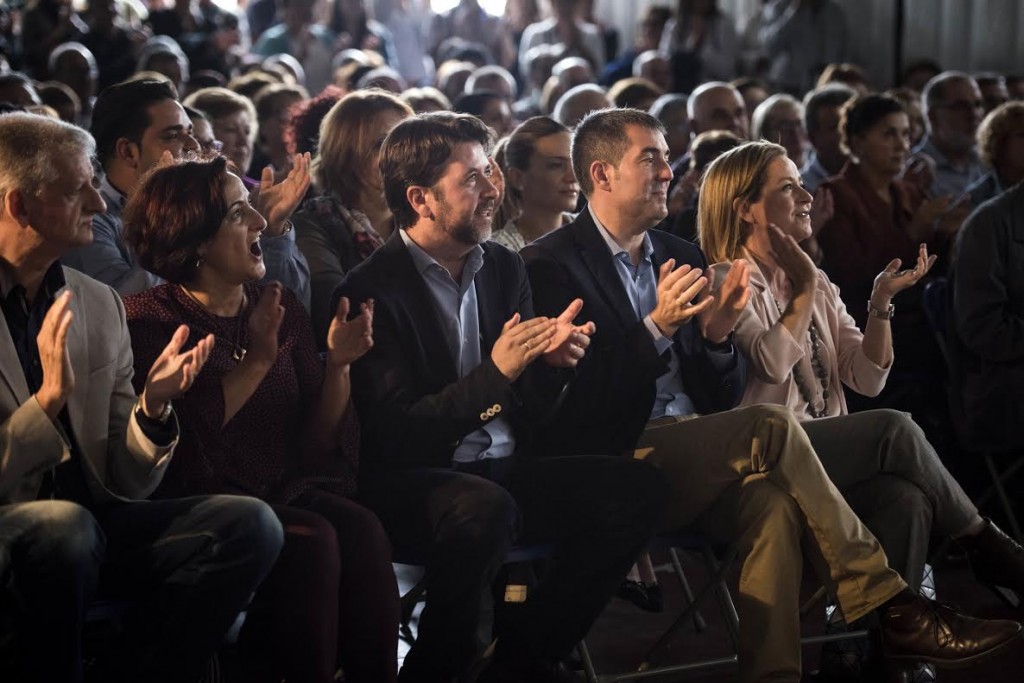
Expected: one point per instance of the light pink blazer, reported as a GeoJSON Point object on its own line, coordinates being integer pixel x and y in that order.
{"type": "Point", "coordinates": [772, 352]}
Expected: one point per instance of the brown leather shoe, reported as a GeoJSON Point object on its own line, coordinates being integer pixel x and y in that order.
{"type": "Point", "coordinates": [926, 631]}
{"type": "Point", "coordinates": [996, 559]}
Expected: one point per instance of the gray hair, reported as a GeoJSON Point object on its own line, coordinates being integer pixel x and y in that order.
{"type": "Point", "coordinates": [831, 95]}
{"type": "Point", "coordinates": [934, 92]}
{"type": "Point", "coordinates": [764, 111]}
{"type": "Point", "coordinates": [29, 144]}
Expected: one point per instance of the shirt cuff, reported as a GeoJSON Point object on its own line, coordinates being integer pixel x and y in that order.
{"type": "Point", "coordinates": [661, 342]}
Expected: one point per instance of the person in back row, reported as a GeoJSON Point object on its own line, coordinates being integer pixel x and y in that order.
{"type": "Point", "coordinates": [662, 354]}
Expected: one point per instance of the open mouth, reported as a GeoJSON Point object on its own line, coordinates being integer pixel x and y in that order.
{"type": "Point", "coordinates": [486, 211]}
{"type": "Point", "coordinates": [256, 250]}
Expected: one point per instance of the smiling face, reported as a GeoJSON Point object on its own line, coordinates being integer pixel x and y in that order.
{"type": "Point", "coordinates": [638, 186]}
{"type": "Point", "coordinates": [234, 255]}
{"type": "Point", "coordinates": [549, 183]}
{"type": "Point", "coordinates": [783, 202]}
{"type": "Point", "coordinates": [235, 131]}
{"type": "Point", "coordinates": [884, 147]}
{"type": "Point", "coordinates": [462, 202]}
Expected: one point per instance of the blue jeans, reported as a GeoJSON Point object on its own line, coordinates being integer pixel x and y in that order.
{"type": "Point", "coordinates": [188, 566]}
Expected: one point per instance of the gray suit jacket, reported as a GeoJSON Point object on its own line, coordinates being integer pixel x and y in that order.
{"type": "Point", "coordinates": [119, 460]}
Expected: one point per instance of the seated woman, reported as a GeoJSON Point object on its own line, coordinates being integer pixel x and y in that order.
{"type": "Point", "coordinates": [350, 219]}
{"type": "Point", "coordinates": [800, 343]}
{"type": "Point", "coordinates": [1001, 147]}
{"type": "Point", "coordinates": [267, 418]}
{"type": "Point", "coordinates": [541, 189]}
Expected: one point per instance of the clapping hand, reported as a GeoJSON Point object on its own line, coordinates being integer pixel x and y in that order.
{"type": "Point", "coordinates": [521, 343]}
{"type": "Point", "coordinates": [719, 318]}
{"type": "Point", "coordinates": [822, 210]}
{"type": "Point", "coordinates": [277, 202]}
{"type": "Point", "coordinates": [570, 342]}
{"type": "Point", "coordinates": [793, 260]}
{"type": "Point", "coordinates": [265, 323]}
{"type": "Point", "coordinates": [52, 342]}
{"type": "Point", "coordinates": [677, 289]}
{"type": "Point", "coordinates": [892, 280]}
{"type": "Point", "coordinates": [348, 340]}
{"type": "Point", "coordinates": [174, 371]}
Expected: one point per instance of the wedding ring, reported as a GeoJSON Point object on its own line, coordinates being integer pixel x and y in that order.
{"type": "Point", "coordinates": [527, 346]}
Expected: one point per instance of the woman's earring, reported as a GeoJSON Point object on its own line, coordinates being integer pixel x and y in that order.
{"type": "Point", "coordinates": [199, 262]}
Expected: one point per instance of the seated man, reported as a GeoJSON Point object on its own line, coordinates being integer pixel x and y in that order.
{"type": "Point", "coordinates": [661, 355]}
{"type": "Point", "coordinates": [77, 445]}
{"type": "Point", "coordinates": [134, 123]}
{"type": "Point", "coordinates": [459, 372]}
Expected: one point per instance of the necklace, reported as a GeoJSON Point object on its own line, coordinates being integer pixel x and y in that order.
{"type": "Point", "coordinates": [238, 351]}
{"type": "Point", "coordinates": [817, 365]}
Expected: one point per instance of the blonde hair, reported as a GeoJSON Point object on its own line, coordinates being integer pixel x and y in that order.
{"type": "Point", "coordinates": [736, 177]}
{"type": "Point", "coordinates": [345, 142]}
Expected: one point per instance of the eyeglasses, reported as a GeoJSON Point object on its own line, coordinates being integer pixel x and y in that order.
{"type": "Point", "coordinates": [963, 106]}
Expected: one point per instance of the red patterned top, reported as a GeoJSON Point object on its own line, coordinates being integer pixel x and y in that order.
{"type": "Point", "coordinates": [259, 452]}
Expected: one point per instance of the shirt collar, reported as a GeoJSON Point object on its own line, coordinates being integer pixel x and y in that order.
{"type": "Point", "coordinates": [53, 280]}
{"type": "Point", "coordinates": [613, 246]}
{"type": "Point", "coordinates": [112, 196]}
{"type": "Point", "coordinates": [425, 262]}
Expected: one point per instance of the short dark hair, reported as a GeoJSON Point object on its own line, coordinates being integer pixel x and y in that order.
{"type": "Point", "coordinates": [416, 152]}
{"type": "Point", "coordinates": [122, 111]}
{"type": "Point", "coordinates": [860, 115]}
{"type": "Point", "coordinates": [475, 103]}
{"type": "Point", "coordinates": [602, 136]}
{"type": "Point", "coordinates": [173, 212]}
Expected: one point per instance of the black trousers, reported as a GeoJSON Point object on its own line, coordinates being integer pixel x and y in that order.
{"type": "Point", "coordinates": [601, 511]}
{"type": "Point", "coordinates": [190, 565]}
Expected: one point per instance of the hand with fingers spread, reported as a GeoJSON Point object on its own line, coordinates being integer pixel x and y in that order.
{"type": "Point", "coordinates": [173, 372]}
{"type": "Point", "coordinates": [348, 340]}
{"type": "Point", "coordinates": [677, 289]}
{"type": "Point", "coordinates": [569, 343]}
{"type": "Point", "coordinates": [521, 343]}
{"type": "Point", "coordinates": [793, 260]}
{"type": "Point", "coordinates": [720, 318]}
{"type": "Point", "coordinates": [822, 210]}
{"type": "Point", "coordinates": [923, 225]}
{"type": "Point", "coordinates": [264, 325]}
{"type": "Point", "coordinates": [277, 202]}
{"type": "Point", "coordinates": [52, 342]}
{"type": "Point", "coordinates": [892, 280]}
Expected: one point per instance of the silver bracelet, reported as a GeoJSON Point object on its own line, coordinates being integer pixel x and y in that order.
{"type": "Point", "coordinates": [881, 314]}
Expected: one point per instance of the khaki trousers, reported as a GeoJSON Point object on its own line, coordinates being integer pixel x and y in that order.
{"type": "Point", "coordinates": [751, 475]}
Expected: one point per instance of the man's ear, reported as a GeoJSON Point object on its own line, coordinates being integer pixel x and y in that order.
{"type": "Point", "coordinates": [14, 206]}
{"type": "Point", "coordinates": [600, 175]}
{"type": "Point", "coordinates": [416, 195]}
{"type": "Point", "coordinates": [128, 152]}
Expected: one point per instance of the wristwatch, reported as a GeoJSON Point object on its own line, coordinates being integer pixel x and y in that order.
{"type": "Point", "coordinates": [162, 418]}
{"type": "Point", "coordinates": [880, 313]}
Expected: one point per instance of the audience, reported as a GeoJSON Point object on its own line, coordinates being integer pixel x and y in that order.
{"type": "Point", "coordinates": [578, 102]}
{"type": "Point", "coordinates": [490, 107]}
{"type": "Point", "coordinates": [73, 65]}
{"type": "Point", "coordinates": [273, 105]}
{"type": "Point", "coordinates": [750, 475]}
{"type": "Point", "coordinates": [1001, 149]}
{"type": "Point", "coordinates": [565, 27]}
{"type": "Point", "coordinates": [780, 119]}
{"type": "Point", "coordinates": [471, 22]}
{"type": "Point", "coordinates": [797, 38]}
{"type": "Point", "coordinates": [718, 106]}
{"type": "Point", "coordinates": [821, 120]}
{"type": "Point", "coordinates": [449, 462]}
{"type": "Point", "coordinates": [349, 219]}
{"type": "Point", "coordinates": [353, 26]}
{"type": "Point", "coordinates": [541, 190]}
{"type": "Point", "coordinates": [300, 35]}
{"type": "Point", "coordinates": [670, 110]}
{"type": "Point", "coordinates": [634, 93]}
{"type": "Point", "coordinates": [953, 108]}
{"type": "Point", "coordinates": [801, 346]}
{"type": "Point", "coordinates": [704, 37]}
{"type": "Point", "coordinates": [266, 418]}
{"type": "Point", "coordinates": [993, 90]}
{"type": "Point", "coordinates": [82, 451]}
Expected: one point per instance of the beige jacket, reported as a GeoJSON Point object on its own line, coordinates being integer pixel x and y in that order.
{"type": "Point", "coordinates": [121, 462]}
{"type": "Point", "coordinates": [772, 351]}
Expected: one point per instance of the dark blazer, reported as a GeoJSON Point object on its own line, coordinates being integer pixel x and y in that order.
{"type": "Point", "coordinates": [986, 332]}
{"type": "Point", "coordinates": [414, 407]}
{"type": "Point", "coordinates": [610, 399]}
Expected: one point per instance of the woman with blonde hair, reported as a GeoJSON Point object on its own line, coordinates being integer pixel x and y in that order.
{"type": "Point", "coordinates": [541, 189]}
{"type": "Point", "coordinates": [349, 219]}
{"type": "Point", "coordinates": [800, 343]}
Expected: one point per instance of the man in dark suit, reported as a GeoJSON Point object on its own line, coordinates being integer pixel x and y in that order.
{"type": "Point", "coordinates": [460, 372]}
{"type": "Point", "coordinates": [661, 355]}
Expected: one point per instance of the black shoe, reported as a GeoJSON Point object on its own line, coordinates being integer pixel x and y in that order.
{"type": "Point", "coordinates": [923, 630]}
{"type": "Point", "coordinates": [536, 671]}
{"type": "Point", "coordinates": [647, 597]}
{"type": "Point", "coordinates": [997, 561]}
